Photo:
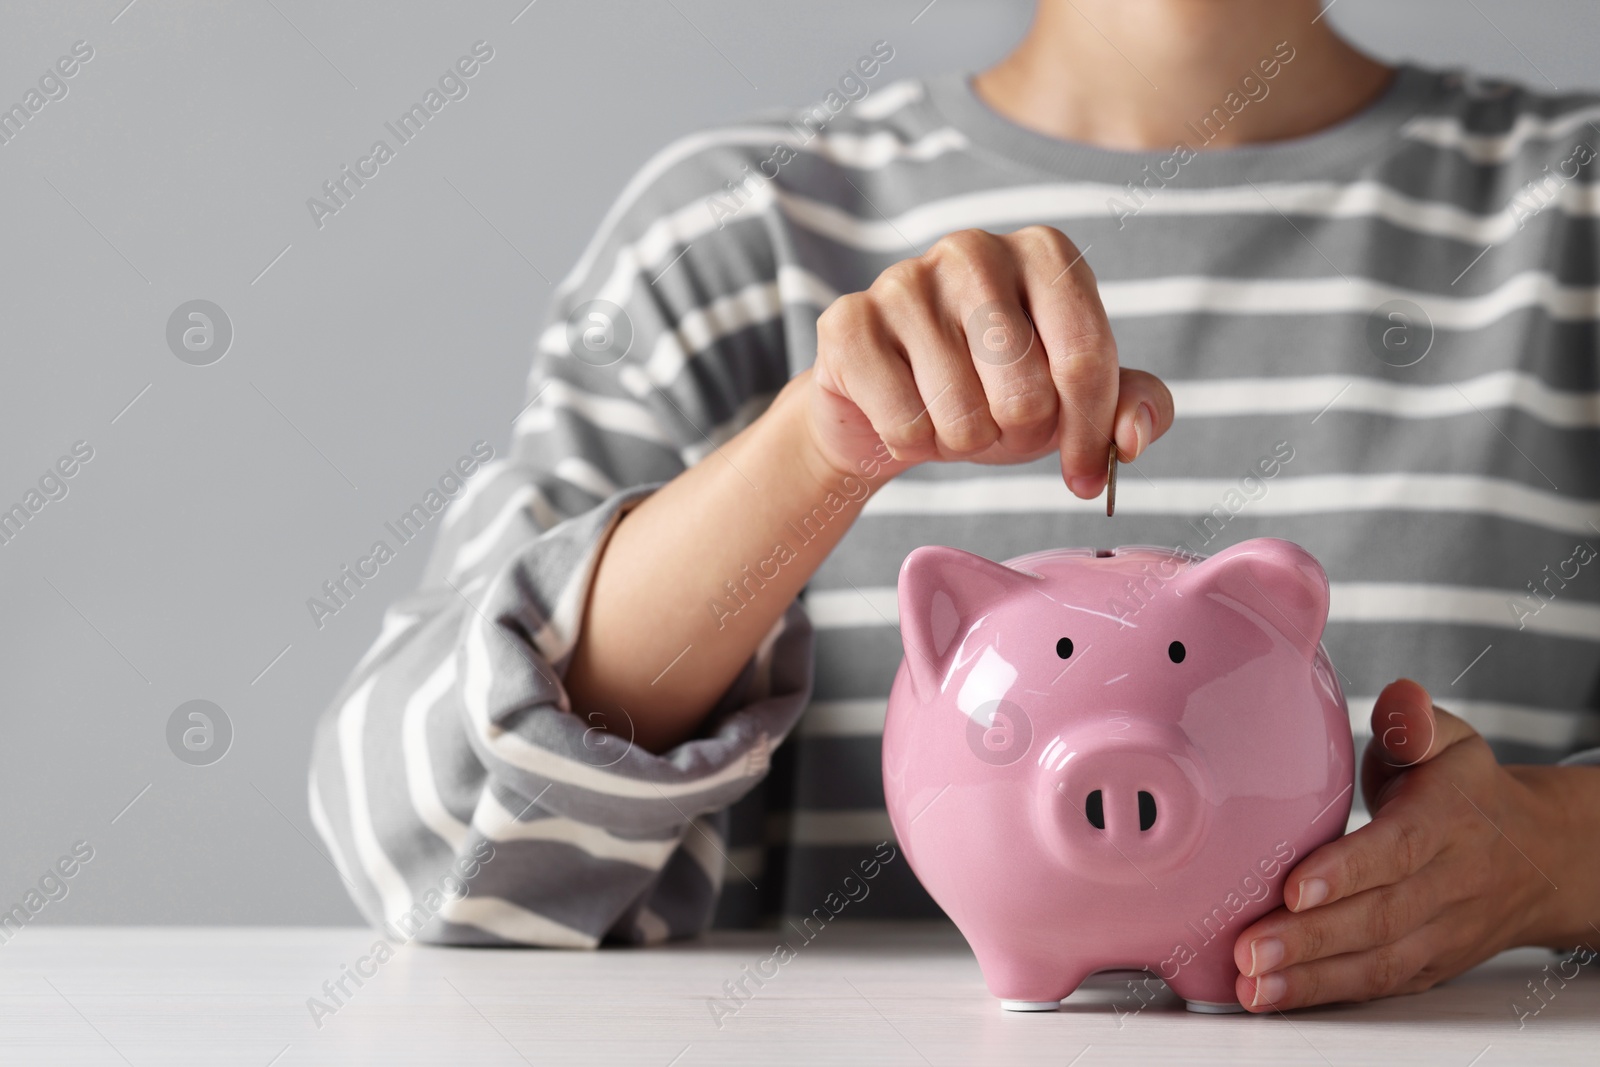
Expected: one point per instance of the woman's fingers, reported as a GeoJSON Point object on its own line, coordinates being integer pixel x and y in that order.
{"type": "Point", "coordinates": [1407, 730]}
{"type": "Point", "coordinates": [979, 279]}
{"type": "Point", "coordinates": [1144, 413]}
{"type": "Point", "coordinates": [1359, 896]}
{"type": "Point", "coordinates": [1397, 843]}
{"type": "Point", "coordinates": [866, 371]}
{"type": "Point", "coordinates": [1354, 976]}
{"type": "Point", "coordinates": [1366, 920]}
{"type": "Point", "coordinates": [985, 347]}
{"type": "Point", "coordinates": [1010, 361]}
{"type": "Point", "coordinates": [1063, 299]}
{"type": "Point", "coordinates": [952, 405]}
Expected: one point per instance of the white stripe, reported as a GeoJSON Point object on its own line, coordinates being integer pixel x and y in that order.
{"type": "Point", "coordinates": [1350, 602]}
{"type": "Point", "coordinates": [836, 609]}
{"type": "Point", "coordinates": [419, 761]}
{"type": "Point", "coordinates": [1232, 397]}
{"type": "Point", "coordinates": [518, 752]}
{"type": "Point", "coordinates": [513, 923]}
{"type": "Point", "coordinates": [1323, 200]}
{"type": "Point", "coordinates": [1016, 206]}
{"type": "Point", "coordinates": [870, 151]}
{"type": "Point", "coordinates": [705, 848]}
{"type": "Point", "coordinates": [1395, 601]}
{"type": "Point", "coordinates": [1375, 200]}
{"type": "Point", "coordinates": [486, 476]}
{"type": "Point", "coordinates": [1548, 727]}
{"type": "Point", "coordinates": [1349, 200]}
{"type": "Point", "coordinates": [889, 99]}
{"type": "Point", "coordinates": [802, 287]}
{"type": "Point", "coordinates": [394, 894]}
{"type": "Point", "coordinates": [526, 498]}
{"type": "Point", "coordinates": [324, 828]}
{"type": "Point", "coordinates": [1450, 132]}
{"type": "Point", "coordinates": [585, 475]}
{"type": "Point", "coordinates": [1322, 494]}
{"type": "Point", "coordinates": [1329, 296]}
{"type": "Point", "coordinates": [868, 826]}
{"type": "Point", "coordinates": [652, 928]}
{"type": "Point", "coordinates": [844, 718]}
{"type": "Point", "coordinates": [555, 638]}
{"type": "Point", "coordinates": [607, 413]}
{"type": "Point", "coordinates": [492, 820]}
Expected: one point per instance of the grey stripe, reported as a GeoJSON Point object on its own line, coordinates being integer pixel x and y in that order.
{"type": "Point", "coordinates": [1560, 354]}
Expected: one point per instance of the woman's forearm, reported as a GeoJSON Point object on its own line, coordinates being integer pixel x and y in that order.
{"type": "Point", "coordinates": [693, 578]}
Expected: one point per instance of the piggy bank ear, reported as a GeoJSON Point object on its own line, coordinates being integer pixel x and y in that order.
{"type": "Point", "coordinates": [942, 590]}
{"type": "Point", "coordinates": [1277, 580]}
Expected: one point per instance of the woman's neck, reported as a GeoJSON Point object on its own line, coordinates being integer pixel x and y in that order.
{"type": "Point", "coordinates": [1144, 74]}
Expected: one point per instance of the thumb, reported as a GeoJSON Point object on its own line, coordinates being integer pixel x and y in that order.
{"type": "Point", "coordinates": [1407, 729]}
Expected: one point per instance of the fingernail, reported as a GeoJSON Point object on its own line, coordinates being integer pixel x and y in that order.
{"type": "Point", "coordinates": [1265, 954]}
{"type": "Point", "coordinates": [1086, 486]}
{"type": "Point", "coordinates": [1313, 891]}
{"type": "Point", "coordinates": [1144, 427]}
{"type": "Point", "coordinates": [1270, 989]}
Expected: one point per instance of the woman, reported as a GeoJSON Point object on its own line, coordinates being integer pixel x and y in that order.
{"type": "Point", "coordinates": [800, 347]}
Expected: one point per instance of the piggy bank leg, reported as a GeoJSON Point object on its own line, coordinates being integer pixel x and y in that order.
{"type": "Point", "coordinates": [1024, 982]}
{"type": "Point", "coordinates": [1206, 982]}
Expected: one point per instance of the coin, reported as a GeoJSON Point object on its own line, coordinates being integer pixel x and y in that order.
{"type": "Point", "coordinates": [1111, 481]}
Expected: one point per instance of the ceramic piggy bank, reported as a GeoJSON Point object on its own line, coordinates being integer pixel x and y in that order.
{"type": "Point", "coordinates": [1108, 760]}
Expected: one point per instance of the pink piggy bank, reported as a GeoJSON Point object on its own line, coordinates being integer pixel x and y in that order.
{"type": "Point", "coordinates": [1102, 760]}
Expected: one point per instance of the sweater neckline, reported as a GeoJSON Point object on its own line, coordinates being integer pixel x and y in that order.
{"type": "Point", "coordinates": [1334, 149]}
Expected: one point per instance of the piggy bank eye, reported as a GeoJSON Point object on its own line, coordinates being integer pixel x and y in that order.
{"type": "Point", "coordinates": [1064, 647]}
{"type": "Point", "coordinates": [1175, 652]}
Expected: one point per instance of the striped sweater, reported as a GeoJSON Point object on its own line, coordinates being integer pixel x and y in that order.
{"type": "Point", "coordinates": [1398, 313]}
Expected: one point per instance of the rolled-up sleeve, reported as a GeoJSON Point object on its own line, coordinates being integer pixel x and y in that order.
{"type": "Point", "coordinates": [461, 797]}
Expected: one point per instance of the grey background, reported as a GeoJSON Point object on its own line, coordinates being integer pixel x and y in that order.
{"type": "Point", "coordinates": [365, 360]}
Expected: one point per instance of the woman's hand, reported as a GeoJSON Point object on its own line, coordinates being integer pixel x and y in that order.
{"type": "Point", "coordinates": [1455, 866]}
{"type": "Point", "coordinates": [992, 348]}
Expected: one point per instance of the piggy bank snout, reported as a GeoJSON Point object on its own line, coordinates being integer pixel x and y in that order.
{"type": "Point", "coordinates": [1123, 807]}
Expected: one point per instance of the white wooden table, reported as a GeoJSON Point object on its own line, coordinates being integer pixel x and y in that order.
{"type": "Point", "coordinates": [866, 995]}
